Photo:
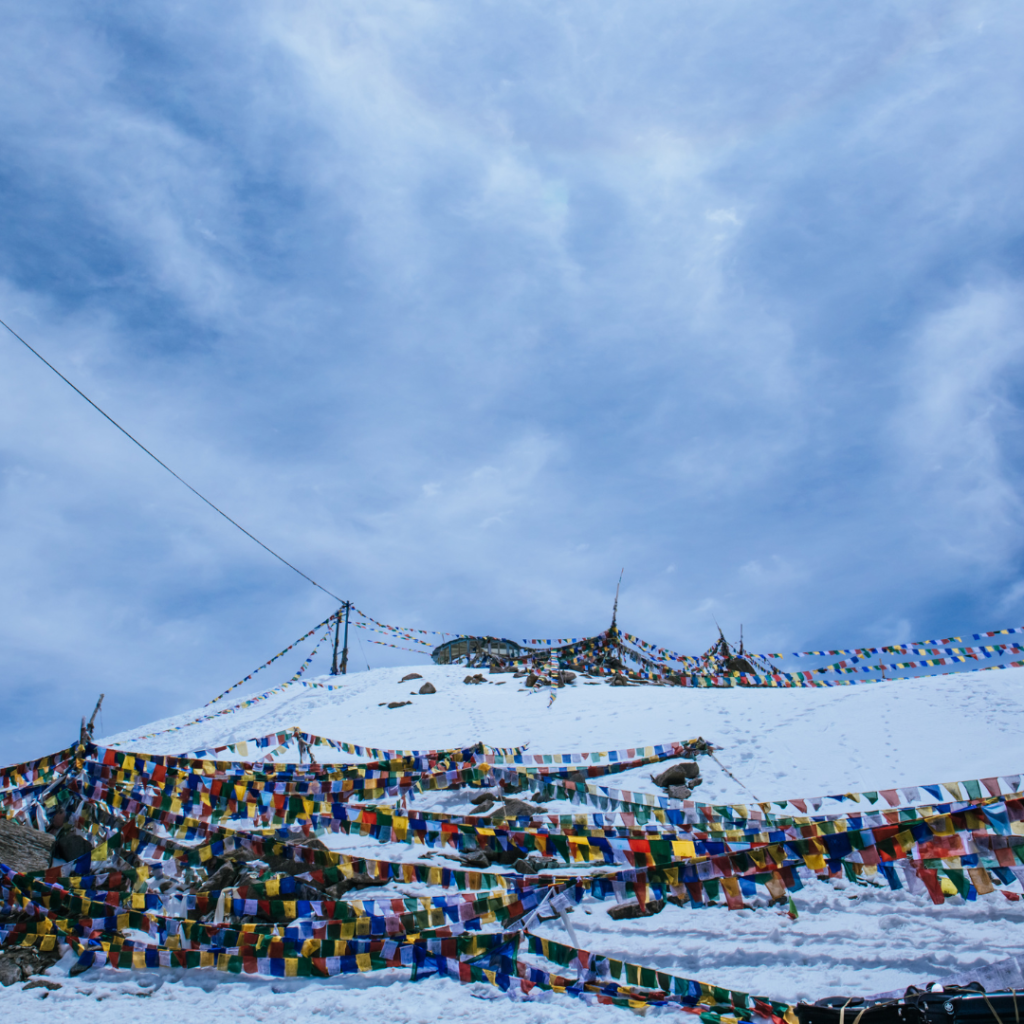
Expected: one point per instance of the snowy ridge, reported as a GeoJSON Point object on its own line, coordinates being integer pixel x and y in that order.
{"type": "Point", "coordinates": [849, 938]}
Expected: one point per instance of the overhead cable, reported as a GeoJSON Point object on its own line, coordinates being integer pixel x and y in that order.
{"type": "Point", "coordinates": [160, 462]}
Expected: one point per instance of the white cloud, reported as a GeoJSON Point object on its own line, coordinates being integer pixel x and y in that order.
{"type": "Point", "coordinates": [463, 309]}
{"type": "Point", "coordinates": [958, 429]}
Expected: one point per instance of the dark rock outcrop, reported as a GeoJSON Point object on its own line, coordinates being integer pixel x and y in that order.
{"type": "Point", "coordinates": [631, 908]}
{"type": "Point", "coordinates": [677, 775]}
{"type": "Point", "coordinates": [25, 848]}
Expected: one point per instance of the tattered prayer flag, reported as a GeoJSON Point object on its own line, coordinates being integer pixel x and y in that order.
{"type": "Point", "coordinates": [733, 896]}
{"type": "Point", "coordinates": [982, 882]}
{"type": "Point", "coordinates": [954, 789]}
{"type": "Point", "coordinates": [992, 785]}
{"type": "Point", "coordinates": [890, 796]}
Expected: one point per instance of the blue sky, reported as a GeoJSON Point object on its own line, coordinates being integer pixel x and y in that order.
{"type": "Point", "coordinates": [462, 307]}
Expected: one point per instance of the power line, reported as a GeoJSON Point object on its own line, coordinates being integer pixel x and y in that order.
{"type": "Point", "coordinates": [168, 468]}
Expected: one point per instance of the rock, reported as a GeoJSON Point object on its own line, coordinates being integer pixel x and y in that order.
{"type": "Point", "coordinates": [476, 859]}
{"type": "Point", "coordinates": [618, 681]}
{"type": "Point", "coordinates": [506, 857]}
{"type": "Point", "coordinates": [220, 879]}
{"type": "Point", "coordinates": [677, 775]}
{"type": "Point", "coordinates": [411, 675]}
{"type": "Point", "coordinates": [242, 856]}
{"type": "Point", "coordinates": [518, 675]}
{"type": "Point", "coordinates": [631, 909]}
{"type": "Point", "coordinates": [534, 864]}
{"type": "Point", "coordinates": [50, 986]}
{"type": "Point", "coordinates": [483, 797]}
{"type": "Point", "coordinates": [281, 864]}
{"type": "Point", "coordinates": [483, 808]}
{"type": "Point", "coordinates": [521, 809]}
{"type": "Point", "coordinates": [18, 963]}
{"type": "Point", "coordinates": [679, 792]}
{"type": "Point", "coordinates": [399, 703]}
{"type": "Point", "coordinates": [474, 679]}
{"type": "Point", "coordinates": [71, 846]}
{"type": "Point", "coordinates": [567, 677]}
{"type": "Point", "coordinates": [24, 848]}
{"type": "Point", "coordinates": [428, 688]}
{"type": "Point", "coordinates": [360, 880]}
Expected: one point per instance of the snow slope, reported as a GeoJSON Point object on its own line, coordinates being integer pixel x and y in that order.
{"type": "Point", "coordinates": [777, 743]}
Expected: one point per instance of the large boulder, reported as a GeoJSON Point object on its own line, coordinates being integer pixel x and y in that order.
{"type": "Point", "coordinates": [677, 775]}
{"type": "Point", "coordinates": [631, 908]}
{"type": "Point", "coordinates": [359, 880]}
{"type": "Point", "coordinates": [71, 846]}
{"type": "Point", "coordinates": [477, 860]}
{"type": "Point", "coordinates": [428, 688]}
{"type": "Point", "coordinates": [534, 862]}
{"type": "Point", "coordinates": [287, 865]}
{"type": "Point", "coordinates": [411, 675]}
{"type": "Point", "coordinates": [10, 972]}
{"type": "Point", "coordinates": [25, 848]}
{"type": "Point", "coordinates": [222, 878]}
{"type": "Point", "coordinates": [18, 963]}
{"type": "Point", "coordinates": [519, 809]}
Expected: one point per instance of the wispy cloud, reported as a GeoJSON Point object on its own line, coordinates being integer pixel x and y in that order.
{"type": "Point", "coordinates": [464, 308]}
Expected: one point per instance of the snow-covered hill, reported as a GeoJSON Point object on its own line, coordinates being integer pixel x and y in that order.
{"type": "Point", "coordinates": [777, 745]}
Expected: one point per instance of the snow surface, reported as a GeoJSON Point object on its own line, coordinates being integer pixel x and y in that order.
{"type": "Point", "coordinates": [777, 743]}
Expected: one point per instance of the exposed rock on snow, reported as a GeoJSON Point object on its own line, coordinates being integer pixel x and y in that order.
{"type": "Point", "coordinates": [630, 909]}
{"type": "Point", "coordinates": [23, 847]}
{"type": "Point", "coordinates": [677, 775]}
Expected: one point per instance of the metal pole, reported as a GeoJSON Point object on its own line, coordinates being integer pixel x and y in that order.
{"type": "Point", "coordinates": [344, 652]}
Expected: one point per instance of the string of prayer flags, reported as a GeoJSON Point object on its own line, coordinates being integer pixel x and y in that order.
{"type": "Point", "coordinates": [280, 654]}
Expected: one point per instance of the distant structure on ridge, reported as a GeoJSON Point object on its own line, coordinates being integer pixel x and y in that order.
{"type": "Point", "coordinates": [474, 651]}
